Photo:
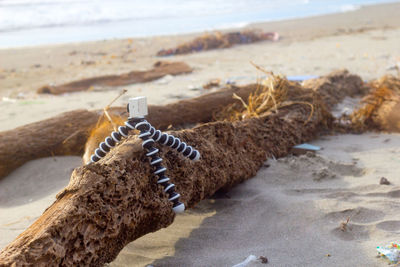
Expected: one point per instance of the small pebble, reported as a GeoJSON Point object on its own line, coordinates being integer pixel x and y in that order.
{"type": "Point", "coordinates": [384, 181]}
{"type": "Point", "coordinates": [263, 259]}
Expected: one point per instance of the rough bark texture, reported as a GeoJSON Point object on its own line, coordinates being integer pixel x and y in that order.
{"type": "Point", "coordinates": [160, 69]}
{"type": "Point", "coordinates": [111, 203]}
{"type": "Point", "coordinates": [66, 134]}
{"type": "Point", "coordinates": [335, 86]}
{"type": "Point", "coordinates": [116, 200]}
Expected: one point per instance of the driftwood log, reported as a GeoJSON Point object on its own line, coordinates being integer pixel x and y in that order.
{"type": "Point", "coordinates": [116, 200]}
{"type": "Point", "coordinates": [66, 134]}
{"type": "Point", "coordinates": [160, 69]}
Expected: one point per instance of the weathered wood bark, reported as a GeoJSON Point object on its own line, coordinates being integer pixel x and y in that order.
{"type": "Point", "coordinates": [337, 85]}
{"type": "Point", "coordinates": [110, 203]}
{"type": "Point", "coordinates": [67, 133]}
{"type": "Point", "coordinates": [160, 69]}
{"type": "Point", "coordinates": [116, 200]}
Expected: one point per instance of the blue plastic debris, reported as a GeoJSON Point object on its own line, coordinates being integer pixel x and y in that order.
{"type": "Point", "coordinates": [300, 78]}
{"type": "Point", "coordinates": [308, 147]}
{"type": "Point", "coordinates": [295, 78]}
{"type": "Point", "coordinates": [304, 148]}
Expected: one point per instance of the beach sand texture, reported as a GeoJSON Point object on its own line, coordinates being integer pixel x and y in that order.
{"type": "Point", "coordinates": [291, 212]}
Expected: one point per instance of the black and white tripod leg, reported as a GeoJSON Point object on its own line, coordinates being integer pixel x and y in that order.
{"type": "Point", "coordinates": [175, 143]}
{"type": "Point", "coordinates": [155, 161]}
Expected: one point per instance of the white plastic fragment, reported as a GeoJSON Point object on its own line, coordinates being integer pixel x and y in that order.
{"type": "Point", "coordinates": [391, 252]}
{"type": "Point", "coordinates": [248, 260]}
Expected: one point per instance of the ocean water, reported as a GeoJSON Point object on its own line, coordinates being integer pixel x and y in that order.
{"type": "Point", "coordinates": [37, 22]}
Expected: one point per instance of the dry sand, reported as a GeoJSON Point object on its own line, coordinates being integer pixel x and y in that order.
{"type": "Point", "coordinates": [290, 212]}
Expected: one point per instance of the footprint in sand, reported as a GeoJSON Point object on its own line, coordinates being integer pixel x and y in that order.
{"type": "Point", "coordinates": [351, 232]}
{"type": "Point", "coordinates": [322, 168]}
{"type": "Point", "coordinates": [392, 194]}
{"type": "Point", "coordinates": [342, 195]}
{"type": "Point", "coordinates": [346, 169]}
{"type": "Point", "coordinates": [356, 215]}
{"type": "Point", "coordinates": [391, 226]}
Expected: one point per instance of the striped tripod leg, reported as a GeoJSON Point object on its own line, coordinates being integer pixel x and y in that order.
{"type": "Point", "coordinates": [152, 152]}
{"type": "Point", "coordinates": [175, 143]}
{"type": "Point", "coordinates": [110, 142]}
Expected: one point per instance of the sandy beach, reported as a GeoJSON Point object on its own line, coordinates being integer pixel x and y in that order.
{"type": "Point", "coordinates": [364, 42]}
{"type": "Point", "coordinates": [292, 211]}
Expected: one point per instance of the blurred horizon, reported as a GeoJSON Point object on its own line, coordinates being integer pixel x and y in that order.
{"type": "Point", "coordinates": [40, 22]}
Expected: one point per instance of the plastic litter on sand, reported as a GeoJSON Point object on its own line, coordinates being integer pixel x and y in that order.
{"type": "Point", "coordinates": [390, 252]}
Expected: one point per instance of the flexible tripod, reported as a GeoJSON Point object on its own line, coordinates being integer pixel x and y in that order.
{"type": "Point", "coordinates": [137, 109]}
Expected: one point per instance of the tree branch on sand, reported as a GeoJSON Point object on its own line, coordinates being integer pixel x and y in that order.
{"type": "Point", "coordinates": [159, 70]}
{"type": "Point", "coordinates": [67, 133]}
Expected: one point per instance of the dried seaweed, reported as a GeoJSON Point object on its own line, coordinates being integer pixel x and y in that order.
{"type": "Point", "coordinates": [219, 40]}
{"type": "Point", "coordinates": [106, 123]}
{"type": "Point", "coordinates": [272, 93]}
{"type": "Point", "coordinates": [384, 91]}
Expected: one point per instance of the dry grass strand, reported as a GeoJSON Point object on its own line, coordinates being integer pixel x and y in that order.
{"type": "Point", "coordinates": [383, 90]}
{"type": "Point", "coordinates": [270, 95]}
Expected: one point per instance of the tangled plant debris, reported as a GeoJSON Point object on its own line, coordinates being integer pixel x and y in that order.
{"type": "Point", "coordinates": [272, 93]}
{"type": "Point", "coordinates": [380, 107]}
{"type": "Point", "coordinates": [219, 40]}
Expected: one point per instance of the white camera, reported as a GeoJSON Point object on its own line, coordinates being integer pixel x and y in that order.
{"type": "Point", "coordinates": [137, 107]}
